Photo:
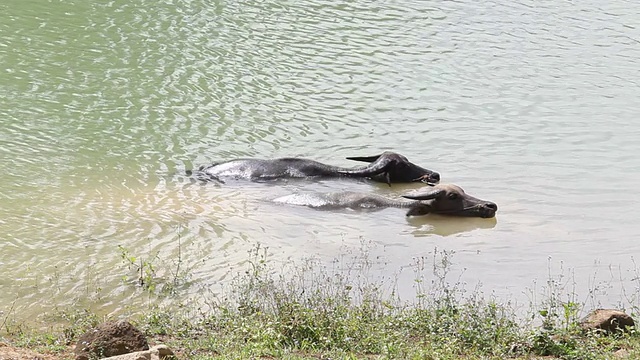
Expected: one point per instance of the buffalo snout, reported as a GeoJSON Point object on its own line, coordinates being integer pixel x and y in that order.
{"type": "Point", "coordinates": [431, 178]}
{"type": "Point", "coordinates": [488, 209]}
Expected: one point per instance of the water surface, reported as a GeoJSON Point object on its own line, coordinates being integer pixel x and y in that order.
{"type": "Point", "coordinates": [104, 105]}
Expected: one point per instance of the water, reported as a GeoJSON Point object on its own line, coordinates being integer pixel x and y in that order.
{"type": "Point", "coordinates": [104, 105]}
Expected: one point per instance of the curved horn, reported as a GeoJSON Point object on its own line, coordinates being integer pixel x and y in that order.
{"type": "Point", "coordinates": [368, 159]}
{"type": "Point", "coordinates": [378, 167]}
{"type": "Point", "coordinates": [425, 196]}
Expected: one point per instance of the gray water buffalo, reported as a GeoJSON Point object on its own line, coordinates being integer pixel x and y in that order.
{"type": "Point", "coordinates": [444, 199]}
{"type": "Point", "coordinates": [387, 167]}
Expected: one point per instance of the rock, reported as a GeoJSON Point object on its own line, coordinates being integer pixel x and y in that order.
{"type": "Point", "coordinates": [607, 320]}
{"type": "Point", "coordinates": [159, 352]}
{"type": "Point", "coordinates": [110, 339]}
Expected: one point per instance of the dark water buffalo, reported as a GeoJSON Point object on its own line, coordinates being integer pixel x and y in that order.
{"type": "Point", "coordinates": [387, 167]}
{"type": "Point", "coordinates": [444, 199]}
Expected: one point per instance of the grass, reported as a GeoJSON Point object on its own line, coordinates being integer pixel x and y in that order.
{"type": "Point", "coordinates": [311, 311]}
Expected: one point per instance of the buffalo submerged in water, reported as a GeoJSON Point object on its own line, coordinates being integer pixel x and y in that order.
{"type": "Point", "coordinates": [388, 167]}
{"type": "Point", "coordinates": [443, 199]}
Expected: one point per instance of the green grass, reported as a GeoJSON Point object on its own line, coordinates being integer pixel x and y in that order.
{"type": "Point", "coordinates": [310, 311]}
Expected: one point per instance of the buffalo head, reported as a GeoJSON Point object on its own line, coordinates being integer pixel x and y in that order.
{"type": "Point", "coordinates": [449, 199]}
{"type": "Point", "coordinates": [391, 167]}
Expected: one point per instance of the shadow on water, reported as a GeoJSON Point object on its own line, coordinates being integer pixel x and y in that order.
{"type": "Point", "coordinates": [447, 225]}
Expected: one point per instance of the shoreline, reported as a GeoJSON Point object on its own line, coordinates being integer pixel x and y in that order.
{"type": "Point", "coordinates": [310, 311]}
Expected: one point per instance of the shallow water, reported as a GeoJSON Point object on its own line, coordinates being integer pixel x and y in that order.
{"type": "Point", "coordinates": [103, 106]}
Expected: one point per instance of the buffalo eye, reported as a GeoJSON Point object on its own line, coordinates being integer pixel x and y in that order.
{"type": "Point", "coordinates": [452, 196]}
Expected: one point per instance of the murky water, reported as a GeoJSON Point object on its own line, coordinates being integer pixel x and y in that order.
{"type": "Point", "coordinates": [103, 105]}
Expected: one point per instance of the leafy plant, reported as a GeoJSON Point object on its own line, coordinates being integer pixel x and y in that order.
{"type": "Point", "coordinates": [144, 269]}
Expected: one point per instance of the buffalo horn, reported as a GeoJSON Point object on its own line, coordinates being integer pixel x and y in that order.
{"type": "Point", "coordinates": [368, 159]}
{"type": "Point", "coordinates": [425, 196]}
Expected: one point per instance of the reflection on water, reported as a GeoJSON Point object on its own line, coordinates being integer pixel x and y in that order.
{"type": "Point", "coordinates": [104, 106]}
{"type": "Point", "coordinates": [446, 225]}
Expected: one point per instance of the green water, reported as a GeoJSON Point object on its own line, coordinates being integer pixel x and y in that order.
{"type": "Point", "coordinates": [104, 105]}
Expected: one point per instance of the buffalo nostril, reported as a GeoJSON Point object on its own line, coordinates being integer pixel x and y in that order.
{"type": "Point", "coordinates": [491, 206]}
{"type": "Point", "coordinates": [435, 177]}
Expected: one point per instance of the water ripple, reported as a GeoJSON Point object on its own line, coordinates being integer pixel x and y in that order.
{"type": "Point", "coordinates": [103, 106]}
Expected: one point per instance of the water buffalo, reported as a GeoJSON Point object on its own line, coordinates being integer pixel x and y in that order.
{"type": "Point", "coordinates": [444, 199]}
{"type": "Point", "coordinates": [387, 167]}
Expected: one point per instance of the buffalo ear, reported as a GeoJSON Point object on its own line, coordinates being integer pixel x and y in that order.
{"type": "Point", "coordinates": [419, 209]}
{"type": "Point", "coordinates": [368, 159]}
